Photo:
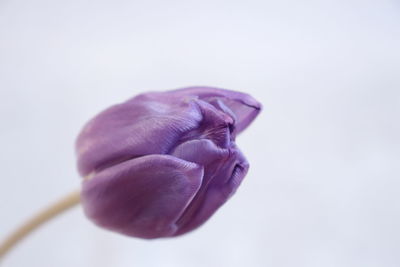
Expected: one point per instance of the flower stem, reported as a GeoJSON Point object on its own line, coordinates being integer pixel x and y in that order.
{"type": "Point", "coordinates": [50, 212]}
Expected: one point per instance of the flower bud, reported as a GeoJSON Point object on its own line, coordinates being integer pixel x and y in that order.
{"type": "Point", "coordinates": [161, 163]}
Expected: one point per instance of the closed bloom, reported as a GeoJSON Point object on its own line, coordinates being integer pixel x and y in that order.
{"type": "Point", "coordinates": [161, 163]}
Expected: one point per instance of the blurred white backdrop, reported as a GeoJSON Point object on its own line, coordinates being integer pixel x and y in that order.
{"type": "Point", "coordinates": [324, 183]}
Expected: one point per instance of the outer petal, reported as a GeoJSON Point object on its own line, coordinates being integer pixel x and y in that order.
{"type": "Point", "coordinates": [148, 124]}
{"type": "Point", "coordinates": [143, 197]}
{"type": "Point", "coordinates": [224, 171]}
{"type": "Point", "coordinates": [243, 106]}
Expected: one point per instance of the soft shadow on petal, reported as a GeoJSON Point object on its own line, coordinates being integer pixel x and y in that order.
{"type": "Point", "coordinates": [143, 197]}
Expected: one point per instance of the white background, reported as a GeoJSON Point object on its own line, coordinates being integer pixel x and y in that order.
{"type": "Point", "coordinates": [324, 184]}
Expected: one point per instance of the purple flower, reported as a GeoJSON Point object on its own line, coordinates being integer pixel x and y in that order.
{"type": "Point", "coordinates": [161, 163]}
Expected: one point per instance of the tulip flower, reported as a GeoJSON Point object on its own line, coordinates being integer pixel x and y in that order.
{"type": "Point", "coordinates": [161, 163]}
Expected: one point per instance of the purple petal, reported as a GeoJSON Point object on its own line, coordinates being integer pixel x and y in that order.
{"type": "Point", "coordinates": [224, 171]}
{"type": "Point", "coordinates": [143, 197]}
{"type": "Point", "coordinates": [214, 126]}
{"type": "Point", "coordinates": [243, 106]}
{"type": "Point", "coordinates": [138, 127]}
{"type": "Point", "coordinates": [202, 152]}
